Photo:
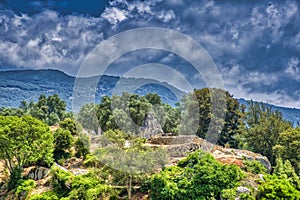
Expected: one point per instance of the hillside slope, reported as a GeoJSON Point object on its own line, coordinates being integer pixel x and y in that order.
{"type": "Point", "coordinates": [16, 86]}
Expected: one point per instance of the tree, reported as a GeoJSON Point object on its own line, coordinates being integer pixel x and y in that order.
{"type": "Point", "coordinates": [87, 117]}
{"type": "Point", "coordinates": [285, 170]}
{"type": "Point", "coordinates": [288, 147]}
{"type": "Point", "coordinates": [82, 146]}
{"type": "Point", "coordinates": [49, 109]}
{"type": "Point", "coordinates": [261, 129]}
{"type": "Point", "coordinates": [11, 112]}
{"type": "Point", "coordinates": [24, 140]}
{"type": "Point", "coordinates": [127, 158]}
{"type": "Point", "coordinates": [218, 111]}
{"type": "Point", "coordinates": [71, 125]}
{"type": "Point", "coordinates": [63, 141]}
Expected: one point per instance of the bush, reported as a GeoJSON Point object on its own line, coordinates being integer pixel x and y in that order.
{"type": "Point", "coordinates": [61, 181]}
{"type": "Point", "coordinates": [45, 196]}
{"type": "Point", "coordinates": [82, 146]}
{"type": "Point", "coordinates": [199, 176]}
{"type": "Point", "coordinates": [254, 167]}
{"type": "Point", "coordinates": [25, 187]}
{"type": "Point", "coordinates": [14, 178]}
{"type": "Point", "coordinates": [63, 141]}
{"type": "Point", "coordinates": [228, 194]}
{"type": "Point", "coordinates": [71, 125]}
{"type": "Point", "coordinates": [275, 187]}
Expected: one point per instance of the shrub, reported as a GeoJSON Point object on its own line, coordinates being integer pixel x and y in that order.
{"type": "Point", "coordinates": [254, 167]}
{"type": "Point", "coordinates": [45, 196]}
{"type": "Point", "coordinates": [228, 194]}
{"type": "Point", "coordinates": [198, 176]}
{"type": "Point", "coordinates": [82, 146]}
{"type": "Point", "coordinates": [275, 187]}
{"type": "Point", "coordinates": [14, 178]}
{"type": "Point", "coordinates": [61, 180]}
{"type": "Point", "coordinates": [25, 187]}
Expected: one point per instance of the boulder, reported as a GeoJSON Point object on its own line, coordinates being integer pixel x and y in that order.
{"type": "Point", "coordinates": [150, 127]}
{"type": "Point", "coordinates": [242, 190]}
{"type": "Point", "coordinates": [38, 173]}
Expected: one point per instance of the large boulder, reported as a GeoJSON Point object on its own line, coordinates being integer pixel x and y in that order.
{"type": "Point", "coordinates": [150, 127]}
{"type": "Point", "coordinates": [38, 173]}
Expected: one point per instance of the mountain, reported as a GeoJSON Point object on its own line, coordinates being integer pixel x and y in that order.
{"type": "Point", "coordinates": [290, 114]}
{"type": "Point", "coordinates": [28, 85]}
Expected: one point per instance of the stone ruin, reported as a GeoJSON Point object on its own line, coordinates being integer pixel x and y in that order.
{"type": "Point", "coordinates": [180, 146]}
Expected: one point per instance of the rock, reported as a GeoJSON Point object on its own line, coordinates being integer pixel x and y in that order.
{"type": "Point", "coordinates": [261, 177]}
{"type": "Point", "coordinates": [150, 127]}
{"type": "Point", "coordinates": [38, 173]}
{"type": "Point", "coordinates": [180, 146]}
{"type": "Point", "coordinates": [242, 190]}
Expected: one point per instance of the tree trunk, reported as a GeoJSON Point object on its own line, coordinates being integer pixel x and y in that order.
{"type": "Point", "coordinates": [129, 186]}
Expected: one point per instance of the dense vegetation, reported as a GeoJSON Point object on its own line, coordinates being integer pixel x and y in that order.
{"type": "Point", "coordinates": [124, 165]}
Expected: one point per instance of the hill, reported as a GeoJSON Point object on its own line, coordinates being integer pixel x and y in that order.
{"type": "Point", "coordinates": [16, 86]}
{"type": "Point", "coordinates": [290, 114]}
{"type": "Point", "coordinates": [28, 85]}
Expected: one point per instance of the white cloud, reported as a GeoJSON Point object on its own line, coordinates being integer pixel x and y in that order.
{"type": "Point", "coordinates": [293, 68]}
{"type": "Point", "coordinates": [114, 15]}
{"type": "Point", "coordinates": [255, 45]}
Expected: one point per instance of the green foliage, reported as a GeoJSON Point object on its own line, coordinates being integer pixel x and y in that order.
{"type": "Point", "coordinates": [63, 141]}
{"type": "Point", "coordinates": [89, 187]}
{"type": "Point", "coordinates": [288, 147]}
{"type": "Point", "coordinates": [87, 117]}
{"type": "Point", "coordinates": [82, 146]}
{"type": "Point", "coordinates": [261, 130]}
{"type": "Point", "coordinates": [247, 197]}
{"type": "Point", "coordinates": [198, 176]}
{"type": "Point", "coordinates": [50, 195]}
{"type": "Point", "coordinates": [254, 167]}
{"type": "Point", "coordinates": [127, 112]}
{"type": "Point", "coordinates": [71, 125]}
{"type": "Point", "coordinates": [11, 112]}
{"type": "Point", "coordinates": [275, 187]}
{"type": "Point", "coordinates": [25, 187]}
{"type": "Point", "coordinates": [14, 178]}
{"type": "Point", "coordinates": [287, 171]}
{"type": "Point", "coordinates": [205, 101]}
{"type": "Point", "coordinates": [49, 109]}
{"type": "Point", "coordinates": [127, 162]}
{"type": "Point", "coordinates": [228, 194]}
{"type": "Point", "coordinates": [61, 181]}
{"type": "Point", "coordinates": [24, 140]}
{"type": "Point", "coordinates": [84, 187]}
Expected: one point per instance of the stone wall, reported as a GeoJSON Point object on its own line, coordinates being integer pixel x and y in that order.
{"type": "Point", "coordinates": [180, 146]}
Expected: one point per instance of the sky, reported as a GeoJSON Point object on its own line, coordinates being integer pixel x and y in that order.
{"type": "Point", "coordinates": [254, 44]}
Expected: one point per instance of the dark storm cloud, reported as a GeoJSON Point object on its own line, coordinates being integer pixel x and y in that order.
{"type": "Point", "coordinates": [256, 45]}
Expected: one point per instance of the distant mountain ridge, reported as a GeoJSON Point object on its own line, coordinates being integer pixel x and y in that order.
{"type": "Point", "coordinates": [28, 85]}
{"type": "Point", "coordinates": [290, 114]}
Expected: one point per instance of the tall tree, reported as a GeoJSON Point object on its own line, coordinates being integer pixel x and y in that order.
{"type": "Point", "coordinates": [288, 147]}
{"type": "Point", "coordinates": [261, 129]}
{"type": "Point", "coordinates": [24, 140]}
{"type": "Point", "coordinates": [218, 112]}
{"type": "Point", "coordinates": [49, 109]}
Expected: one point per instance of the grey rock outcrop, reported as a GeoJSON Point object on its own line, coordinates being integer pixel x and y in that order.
{"type": "Point", "coordinates": [180, 146]}
{"type": "Point", "coordinates": [242, 190]}
{"type": "Point", "coordinates": [150, 127]}
{"type": "Point", "coordinates": [38, 173]}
